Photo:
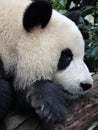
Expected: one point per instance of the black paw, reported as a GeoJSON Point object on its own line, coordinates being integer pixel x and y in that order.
{"type": "Point", "coordinates": [48, 100]}
{"type": "Point", "coordinates": [45, 126]}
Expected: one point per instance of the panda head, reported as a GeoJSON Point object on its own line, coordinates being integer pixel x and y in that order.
{"type": "Point", "coordinates": [49, 46]}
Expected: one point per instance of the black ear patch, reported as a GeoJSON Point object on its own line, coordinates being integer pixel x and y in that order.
{"type": "Point", "coordinates": [38, 13]}
{"type": "Point", "coordinates": [74, 16]}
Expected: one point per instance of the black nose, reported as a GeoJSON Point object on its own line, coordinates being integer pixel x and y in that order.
{"type": "Point", "coordinates": [85, 86]}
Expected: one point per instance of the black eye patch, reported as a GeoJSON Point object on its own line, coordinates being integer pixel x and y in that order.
{"type": "Point", "coordinates": [65, 59]}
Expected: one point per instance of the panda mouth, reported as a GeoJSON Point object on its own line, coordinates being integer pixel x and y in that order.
{"type": "Point", "coordinates": [70, 95]}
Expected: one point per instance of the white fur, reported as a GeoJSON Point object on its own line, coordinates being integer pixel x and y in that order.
{"type": "Point", "coordinates": [35, 55]}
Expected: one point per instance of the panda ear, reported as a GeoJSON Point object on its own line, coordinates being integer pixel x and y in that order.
{"type": "Point", "coordinates": [74, 16]}
{"type": "Point", "coordinates": [38, 13]}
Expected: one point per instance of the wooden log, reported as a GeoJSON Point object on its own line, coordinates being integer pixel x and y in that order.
{"type": "Point", "coordinates": [84, 111]}
{"type": "Point", "coordinates": [81, 113]}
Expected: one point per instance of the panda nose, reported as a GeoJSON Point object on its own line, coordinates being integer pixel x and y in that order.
{"type": "Point", "coordinates": [85, 86]}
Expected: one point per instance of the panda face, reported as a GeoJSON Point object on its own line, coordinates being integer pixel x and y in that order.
{"type": "Point", "coordinates": [48, 47]}
{"type": "Point", "coordinates": [72, 73]}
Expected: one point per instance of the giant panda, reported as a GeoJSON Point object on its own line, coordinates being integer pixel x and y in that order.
{"type": "Point", "coordinates": [41, 60]}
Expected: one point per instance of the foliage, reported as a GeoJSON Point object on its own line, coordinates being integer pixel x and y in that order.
{"type": "Point", "coordinates": [93, 126]}
{"type": "Point", "coordinates": [88, 25]}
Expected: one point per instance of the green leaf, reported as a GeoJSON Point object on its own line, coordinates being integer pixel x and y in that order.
{"type": "Point", "coordinates": [95, 52]}
{"type": "Point", "coordinates": [87, 10]}
{"type": "Point", "coordinates": [88, 53]}
{"type": "Point", "coordinates": [63, 11]}
{"type": "Point", "coordinates": [63, 2]}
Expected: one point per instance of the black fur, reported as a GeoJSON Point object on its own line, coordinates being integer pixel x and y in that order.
{"type": "Point", "coordinates": [44, 98]}
{"type": "Point", "coordinates": [6, 99]}
{"type": "Point", "coordinates": [48, 99]}
{"type": "Point", "coordinates": [74, 16]}
{"type": "Point", "coordinates": [45, 126]}
{"type": "Point", "coordinates": [22, 106]}
{"type": "Point", "coordinates": [2, 125]}
{"type": "Point", "coordinates": [38, 13]}
{"type": "Point", "coordinates": [65, 59]}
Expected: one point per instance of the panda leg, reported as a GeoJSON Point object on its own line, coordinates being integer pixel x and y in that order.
{"type": "Point", "coordinates": [6, 97]}
{"type": "Point", "coordinates": [48, 100]}
{"type": "Point", "coordinates": [5, 101]}
{"type": "Point", "coordinates": [2, 125]}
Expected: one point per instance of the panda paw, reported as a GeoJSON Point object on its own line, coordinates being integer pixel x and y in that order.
{"type": "Point", "coordinates": [48, 100]}
{"type": "Point", "coordinates": [52, 115]}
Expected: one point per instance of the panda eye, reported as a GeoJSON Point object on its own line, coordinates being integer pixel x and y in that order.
{"type": "Point", "coordinates": [65, 59]}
